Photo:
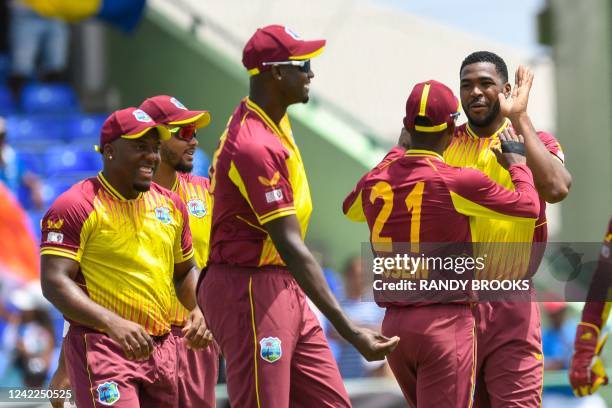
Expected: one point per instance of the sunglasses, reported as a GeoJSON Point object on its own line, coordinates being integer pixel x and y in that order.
{"type": "Point", "coordinates": [303, 65]}
{"type": "Point", "coordinates": [185, 133]}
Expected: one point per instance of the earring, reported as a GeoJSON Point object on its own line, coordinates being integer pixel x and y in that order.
{"type": "Point", "coordinates": [110, 157]}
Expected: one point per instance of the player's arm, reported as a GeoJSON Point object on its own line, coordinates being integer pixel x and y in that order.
{"type": "Point", "coordinates": [552, 179]}
{"type": "Point", "coordinates": [60, 380]}
{"type": "Point", "coordinates": [286, 235]}
{"type": "Point", "coordinates": [587, 372]}
{"type": "Point", "coordinates": [474, 194]}
{"type": "Point", "coordinates": [185, 280]}
{"type": "Point", "coordinates": [58, 276]}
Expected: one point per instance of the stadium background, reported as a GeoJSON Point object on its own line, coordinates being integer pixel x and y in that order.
{"type": "Point", "coordinates": [376, 51]}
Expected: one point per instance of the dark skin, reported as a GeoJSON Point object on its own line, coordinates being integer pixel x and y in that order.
{"type": "Point", "coordinates": [176, 155]}
{"type": "Point", "coordinates": [487, 100]}
{"type": "Point", "coordinates": [128, 167]}
{"type": "Point", "coordinates": [274, 90]}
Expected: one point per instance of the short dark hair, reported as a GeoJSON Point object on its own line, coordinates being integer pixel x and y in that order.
{"type": "Point", "coordinates": [487, 56]}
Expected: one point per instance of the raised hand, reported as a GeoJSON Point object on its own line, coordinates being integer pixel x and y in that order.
{"type": "Point", "coordinates": [516, 103]}
{"type": "Point", "coordinates": [511, 149]}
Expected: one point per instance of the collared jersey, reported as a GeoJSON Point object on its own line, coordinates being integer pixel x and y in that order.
{"type": "Point", "coordinates": [418, 198]}
{"type": "Point", "coordinates": [126, 249]}
{"type": "Point", "coordinates": [257, 176]}
{"type": "Point", "coordinates": [596, 312]}
{"type": "Point", "coordinates": [193, 191]}
{"type": "Point", "coordinates": [468, 150]}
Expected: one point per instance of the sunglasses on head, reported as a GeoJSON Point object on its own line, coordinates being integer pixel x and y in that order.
{"type": "Point", "coordinates": [185, 133]}
{"type": "Point", "coordinates": [303, 65]}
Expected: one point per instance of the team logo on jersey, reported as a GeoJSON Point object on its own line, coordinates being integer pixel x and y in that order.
{"type": "Point", "coordinates": [271, 182]}
{"type": "Point", "coordinates": [271, 350]}
{"type": "Point", "coordinates": [56, 237]}
{"type": "Point", "coordinates": [177, 103]}
{"type": "Point", "coordinates": [55, 224]}
{"type": "Point", "coordinates": [274, 196]}
{"type": "Point", "coordinates": [142, 116]}
{"type": "Point", "coordinates": [163, 214]}
{"type": "Point", "coordinates": [108, 393]}
{"type": "Point", "coordinates": [292, 33]}
{"type": "Point", "coordinates": [197, 208]}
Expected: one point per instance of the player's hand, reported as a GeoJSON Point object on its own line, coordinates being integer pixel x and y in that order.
{"type": "Point", "coordinates": [587, 372]}
{"type": "Point", "coordinates": [516, 103]}
{"type": "Point", "coordinates": [373, 345]}
{"type": "Point", "coordinates": [59, 381]}
{"type": "Point", "coordinates": [196, 332]}
{"type": "Point", "coordinates": [511, 149]}
{"type": "Point", "coordinates": [404, 139]}
{"type": "Point", "coordinates": [132, 337]}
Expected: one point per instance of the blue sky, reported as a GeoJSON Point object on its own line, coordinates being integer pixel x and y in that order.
{"type": "Point", "coordinates": [512, 22]}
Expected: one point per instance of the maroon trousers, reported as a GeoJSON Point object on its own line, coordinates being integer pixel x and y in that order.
{"type": "Point", "coordinates": [275, 350]}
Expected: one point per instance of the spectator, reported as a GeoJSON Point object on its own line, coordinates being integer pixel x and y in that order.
{"type": "Point", "coordinates": [36, 38]}
{"type": "Point", "coordinates": [558, 345]}
{"type": "Point", "coordinates": [29, 339]}
{"type": "Point", "coordinates": [14, 174]}
{"type": "Point", "coordinates": [364, 312]}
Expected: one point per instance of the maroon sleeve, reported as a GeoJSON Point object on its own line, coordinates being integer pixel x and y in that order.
{"type": "Point", "coordinates": [260, 172]}
{"type": "Point", "coordinates": [595, 311]}
{"type": "Point", "coordinates": [492, 200]}
{"type": "Point", "coordinates": [62, 225]}
{"type": "Point", "coordinates": [553, 145]}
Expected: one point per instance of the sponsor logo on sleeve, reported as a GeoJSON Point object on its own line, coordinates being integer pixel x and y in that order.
{"type": "Point", "coordinates": [270, 349]}
{"type": "Point", "coordinates": [274, 196]}
{"type": "Point", "coordinates": [55, 237]}
{"type": "Point", "coordinates": [271, 182]}
{"type": "Point", "coordinates": [55, 224]}
{"type": "Point", "coordinates": [108, 393]}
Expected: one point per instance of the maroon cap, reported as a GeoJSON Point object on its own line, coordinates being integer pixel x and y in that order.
{"type": "Point", "coordinates": [434, 101]}
{"type": "Point", "coordinates": [170, 111]}
{"type": "Point", "coordinates": [276, 43]}
{"type": "Point", "coordinates": [129, 123]}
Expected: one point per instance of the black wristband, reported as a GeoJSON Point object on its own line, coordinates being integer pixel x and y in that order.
{"type": "Point", "coordinates": [513, 147]}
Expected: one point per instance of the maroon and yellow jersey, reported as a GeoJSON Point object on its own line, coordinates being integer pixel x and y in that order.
{"type": "Point", "coordinates": [596, 312]}
{"type": "Point", "coordinates": [257, 176]}
{"type": "Point", "coordinates": [193, 191]}
{"type": "Point", "coordinates": [126, 249]}
{"type": "Point", "coordinates": [468, 150]}
{"type": "Point", "coordinates": [418, 198]}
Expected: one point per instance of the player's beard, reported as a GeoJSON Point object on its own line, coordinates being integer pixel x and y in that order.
{"type": "Point", "coordinates": [177, 163]}
{"type": "Point", "coordinates": [487, 120]}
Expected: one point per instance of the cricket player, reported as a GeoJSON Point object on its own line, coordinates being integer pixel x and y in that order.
{"type": "Point", "coordinates": [197, 369]}
{"type": "Point", "coordinates": [510, 362]}
{"type": "Point", "coordinates": [587, 371]}
{"type": "Point", "coordinates": [115, 249]}
{"type": "Point", "coordinates": [275, 350]}
{"type": "Point", "coordinates": [418, 198]}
